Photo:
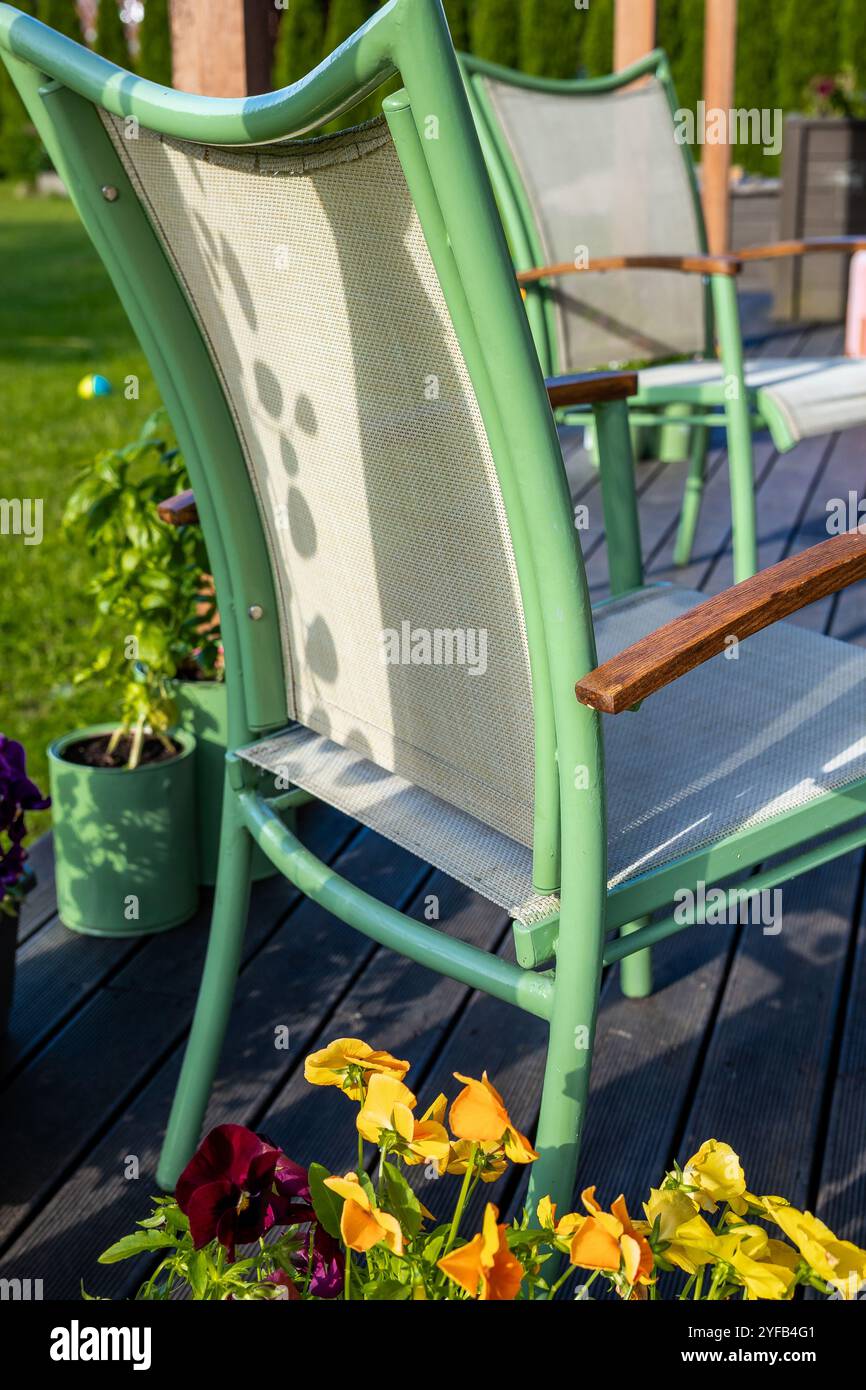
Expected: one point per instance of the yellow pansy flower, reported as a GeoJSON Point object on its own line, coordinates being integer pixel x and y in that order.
{"type": "Point", "coordinates": [717, 1175]}
{"type": "Point", "coordinates": [430, 1142]}
{"type": "Point", "coordinates": [490, 1159]}
{"type": "Point", "coordinates": [485, 1267]}
{"type": "Point", "coordinates": [349, 1063]}
{"type": "Point", "coordinates": [565, 1227]}
{"type": "Point", "coordinates": [839, 1262]}
{"type": "Point", "coordinates": [363, 1225]}
{"type": "Point", "coordinates": [387, 1114]}
{"type": "Point", "coordinates": [479, 1115]}
{"type": "Point", "coordinates": [688, 1235]}
{"type": "Point", "coordinates": [761, 1277]}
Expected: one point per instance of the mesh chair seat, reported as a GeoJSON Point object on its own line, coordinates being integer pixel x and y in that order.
{"type": "Point", "coordinates": [732, 744]}
{"type": "Point", "coordinates": [798, 399]}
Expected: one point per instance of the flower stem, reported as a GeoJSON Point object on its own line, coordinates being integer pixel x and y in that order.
{"type": "Point", "coordinates": [347, 1284]}
{"type": "Point", "coordinates": [461, 1200]}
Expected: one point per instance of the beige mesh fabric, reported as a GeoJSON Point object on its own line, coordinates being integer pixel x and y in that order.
{"type": "Point", "coordinates": [605, 172]}
{"type": "Point", "coordinates": [731, 745]}
{"type": "Point", "coordinates": [308, 271]}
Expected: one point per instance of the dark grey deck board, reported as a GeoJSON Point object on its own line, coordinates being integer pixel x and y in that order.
{"type": "Point", "coordinates": [41, 904]}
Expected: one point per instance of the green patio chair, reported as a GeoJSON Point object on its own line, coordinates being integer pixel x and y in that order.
{"type": "Point", "coordinates": [335, 327]}
{"type": "Point", "coordinates": [589, 172]}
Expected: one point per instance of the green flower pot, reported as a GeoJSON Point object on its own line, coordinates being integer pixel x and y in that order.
{"type": "Point", "coordinates": [124, 842]}
{"type": "Point", "coordinates": [202, 708]}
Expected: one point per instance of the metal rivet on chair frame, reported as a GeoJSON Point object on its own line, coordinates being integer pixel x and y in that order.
{"type": "Point", "coordinates": [256, 611]}
{"type": "Point", "coordinates": [110, 193]}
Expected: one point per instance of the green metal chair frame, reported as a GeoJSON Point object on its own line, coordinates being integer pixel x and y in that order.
{"type": "Point", "coordinates": [63, 85]}
{"type": "Point", "coordinates": [740, 412]}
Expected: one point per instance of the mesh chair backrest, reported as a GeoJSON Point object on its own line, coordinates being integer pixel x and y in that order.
{"type": "Point", "coordinates": [603, 171]}
{"type": "Point", "coordinates": [401, 620]}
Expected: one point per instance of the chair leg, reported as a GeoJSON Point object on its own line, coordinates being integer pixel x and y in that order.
{"type": "Point", "coordinates": [742, 473]}
{"type": "Point", "coordinates": [692, 496]}
{"type": "Point", "coordinates": [215, 995]}
{"type": "Point", "coordinates": [636, 972]}
{"type": "Point", "coordinates": [566, 1072]}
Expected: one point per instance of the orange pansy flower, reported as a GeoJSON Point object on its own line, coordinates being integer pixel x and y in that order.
{"type": "Point", "coordinates": [479, 1115]}
{"type": "Point", "coordinates": [609, 1240]}
{"type": "Point", "coordinates": [485, 1267]}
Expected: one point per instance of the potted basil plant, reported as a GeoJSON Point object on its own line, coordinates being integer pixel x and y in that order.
{"type": "Point", "coordinates": [124, 791]}
{"type": "Point", "coordinates": [154, 586]}
{"type": "Point", "coordinates": [17, 795]}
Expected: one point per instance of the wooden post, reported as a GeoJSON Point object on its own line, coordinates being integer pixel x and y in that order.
{"type": "Point", "coordinates": [720, 56]}
{"type": "Point", "coordinates": [634, 31]}
{"type": "Point", "coordinates": [221, 48]}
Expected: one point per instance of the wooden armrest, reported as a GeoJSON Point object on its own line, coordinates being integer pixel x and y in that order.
{"type": "Point", "coordinates": [590, 388]}
{"type": "Point", "coordinates": [668, 653]}
{"type": "Point", "coordinates": [775, 250]}
{"type": "Point", "coordinates": [180, 510]}
{"type": "Point", "coordinates": [688, 265]}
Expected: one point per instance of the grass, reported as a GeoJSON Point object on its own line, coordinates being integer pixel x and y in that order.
{"type": "Point", "coordinates": [60, 319]}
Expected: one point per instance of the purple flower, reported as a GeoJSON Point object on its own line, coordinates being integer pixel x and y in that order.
{"type": "Point", "coordinates": [17, 795]}
{"type": "Point", "coordinates": [327, 1262]}
{"type": "Point", "coordinates": [236, 1186]}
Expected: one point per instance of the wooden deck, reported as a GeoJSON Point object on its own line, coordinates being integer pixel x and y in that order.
{"type": "Point", "coordinates": [760, 1040]}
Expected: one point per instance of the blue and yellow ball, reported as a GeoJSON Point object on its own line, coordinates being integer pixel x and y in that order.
{"type": "Point", "coordinates": [94, 385]}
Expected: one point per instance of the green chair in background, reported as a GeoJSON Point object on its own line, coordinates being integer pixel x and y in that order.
{"type": "Point", "coordinates": [601, 208]}
{"type": "Point", "coordinates": [334, 324]}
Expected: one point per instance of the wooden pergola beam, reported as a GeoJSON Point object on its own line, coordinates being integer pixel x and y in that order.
{"type": "Point", "coordinates": [720, 61]}
{"type": "Point", "coordinates": [634, 31]}
{"type": "Point", "coordinates": [221, 48]}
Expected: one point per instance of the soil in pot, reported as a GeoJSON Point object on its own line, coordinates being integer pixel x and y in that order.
{"type": "Point", "coordinates": [94, 752]}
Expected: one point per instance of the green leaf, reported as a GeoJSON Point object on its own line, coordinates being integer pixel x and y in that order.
{"type": "Point", "coordinates": [137, 1244]}
{"type": "Point", "coordinates": [364, 1180]}
{"type": "Point", "coordinates": [401, 1200]}
{"type": "Point", "coordinates": [326, 1204]}
{"type": "Point", "coordinates": [197, 1270]}
{"type": "Point", "coordinates": [390, 1289]}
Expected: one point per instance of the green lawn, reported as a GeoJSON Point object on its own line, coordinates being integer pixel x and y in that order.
{"type": "Point", "coordinates": [59, 320]}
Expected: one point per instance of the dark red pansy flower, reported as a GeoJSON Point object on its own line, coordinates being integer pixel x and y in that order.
{"type": "Point", "coordinates": [228, 1190]}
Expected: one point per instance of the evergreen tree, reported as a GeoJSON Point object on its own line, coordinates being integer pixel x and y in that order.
{"type": "Point", "coordinates": [493, 26]}
{"type": "Point", "coordinates": [154, 40]}
{"type": "Point", "coordinates": [681, 35]}
{"type": "Point", "coordinates": [550, 33]}
{"type": "Point", "coordinates": [808, 46]}
{"type": "Point", "coordinates": [852, 39]}
{"type": "Point", "coordinates": [757, 57]}
{"type": "Point", "coordinates": [61, 15]}
{"type": "Point", "coordinates": [457, 12]}
{"type": "Point", "coordinates": [21, 154]}
{"type": "Point", "coordinates": [596, 50]}
{"type": "Point", "coordinates": [111, 34]}
{"type": "Point", "coordinates": [300, 42]}
{"type": "Point", "coordinates": [344, 17]}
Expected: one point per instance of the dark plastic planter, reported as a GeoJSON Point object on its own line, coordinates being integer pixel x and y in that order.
{"type": "Point", "coordinates": [124, 842]}
{"type": "Point", "coordinates": [202, 708]}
